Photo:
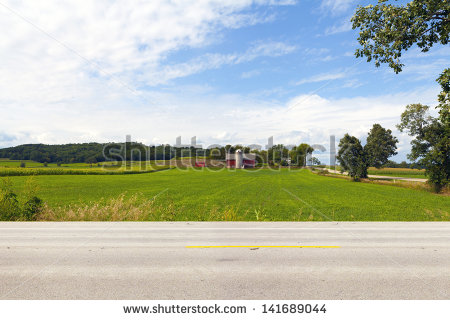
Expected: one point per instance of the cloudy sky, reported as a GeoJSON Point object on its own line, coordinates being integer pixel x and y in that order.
{"type": "Point", "coordinates": [236, 71]}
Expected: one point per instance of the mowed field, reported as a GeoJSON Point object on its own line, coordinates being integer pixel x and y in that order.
{"type": "Point", "coordinates": [239, 195]}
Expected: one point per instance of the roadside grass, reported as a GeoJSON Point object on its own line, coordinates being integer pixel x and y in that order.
{"type": "Point", "coordinates": [230, 195]}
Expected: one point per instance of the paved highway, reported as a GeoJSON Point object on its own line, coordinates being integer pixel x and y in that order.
{"type": "Point", "coordinates": [150, 260]}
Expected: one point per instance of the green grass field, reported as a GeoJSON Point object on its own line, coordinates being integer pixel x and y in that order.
{"type": "Point", "coordinates": [244, 195]}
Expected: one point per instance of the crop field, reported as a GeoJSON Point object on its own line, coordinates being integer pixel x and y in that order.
{"type": "Point", "coordinates": [239, 195]}
{"type": "Point", "coordinates": [6, 163]}
{"type": "Point", "coordinates": [398, 172]}
{"type": "Point", "coordinates": [13, 168]}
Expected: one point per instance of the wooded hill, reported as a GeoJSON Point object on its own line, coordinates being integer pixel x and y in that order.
{"type": "Point", "coordinates": [87, 152]}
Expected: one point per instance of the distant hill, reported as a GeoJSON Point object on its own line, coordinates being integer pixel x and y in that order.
{"type": "Point", "coordinates": [86, 152]}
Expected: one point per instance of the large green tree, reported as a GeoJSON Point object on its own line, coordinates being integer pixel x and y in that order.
{"type": "Point", "coordinates": [355, 159]}
{"type": "Point", "coordinates": [352, 157]}
{"type": "Point", "coordinates": [298, 154]}
{"type": "Point", "coordinates": [387, 29]}
{"type": "Point", "coordinates": [381, 145]}
{"type": "Point", "coordinates": [431, 143]}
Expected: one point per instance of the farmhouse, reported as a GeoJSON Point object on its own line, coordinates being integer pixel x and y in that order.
{"type": "Point", "coordinates": [240, 160]}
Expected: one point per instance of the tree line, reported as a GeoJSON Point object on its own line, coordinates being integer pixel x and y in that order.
{"type": "Point", "coordinates": [88, 152]}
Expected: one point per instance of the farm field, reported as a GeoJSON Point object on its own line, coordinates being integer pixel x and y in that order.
{"type": "Point", "coordinates": [13, 168]}
{"type": "Point", "coordinates": [398, 172]}
{"type": "Point", "coordinates": [242, 195]}
{"type": "Point", "coordinates": [6, 163]}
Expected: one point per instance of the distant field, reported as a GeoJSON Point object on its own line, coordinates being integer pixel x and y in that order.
{"type": "Point", "coordinates": [5, 163]}
{"type": "Point", "coordinates": [233, 195]}
{"type": "Point", "coordinates": [398, 172]}
{"type": "Point", "coordinates": [12, 168]}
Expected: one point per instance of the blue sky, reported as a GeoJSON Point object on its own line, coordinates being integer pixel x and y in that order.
{"type": "Point", "coordinates": [224, 71]}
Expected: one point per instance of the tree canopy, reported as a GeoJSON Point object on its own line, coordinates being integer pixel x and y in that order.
{"type": "Point", "coordinates": [431, 143]}
{"type": "Point", "coordinates": [386, 30]}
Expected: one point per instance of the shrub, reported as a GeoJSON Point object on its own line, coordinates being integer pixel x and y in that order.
{"type": "Point", "coordinates": [10, 207]}
{"type": "Point", "coordinates": [32, 208]}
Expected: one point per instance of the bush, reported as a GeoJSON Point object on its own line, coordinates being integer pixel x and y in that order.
{"type": "Point", "coordinates": [10, 207]}
{"type": "Point", "coordinates": [31, 208]}
{"type": "Point", "coordinates": [22, 165]}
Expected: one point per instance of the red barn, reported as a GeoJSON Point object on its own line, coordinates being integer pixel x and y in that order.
{"type": "Point", "coordinates": [241, 160]}
{"type": "Point", "coordinates": [200, 164]}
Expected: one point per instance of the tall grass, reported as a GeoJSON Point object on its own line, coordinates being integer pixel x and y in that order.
{"type": "Point", "coordinates": [121, 208]}
{"type": "Point", "coordinates": [135, 208]}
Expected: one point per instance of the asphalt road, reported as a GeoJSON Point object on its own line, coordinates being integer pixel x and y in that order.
{"type": "Point", "coordinates": [150, 260]}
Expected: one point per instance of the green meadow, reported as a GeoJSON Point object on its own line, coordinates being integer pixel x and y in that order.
{"type": "Point", "coordinates": [241, 195]}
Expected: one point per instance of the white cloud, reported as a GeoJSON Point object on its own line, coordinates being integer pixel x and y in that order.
{"type": "Point", "coordinates": [323, 77]}
{"type": "Point", "coordinates": [316, 51]}
{"type": "Point", "coordinates": [319, 54]}
{"type": "Point", "coordinates": [250, 74]}
{"type": "Point", "coordinates": [223, 118]}
{"type": "Point", "coordinates": [336, 7]}
{"type": "Point", "coordinates": [424, 70]}
{"type": "Point", "coordinates": [52, 45]}
{"type": "Point", "coordinates": [214, 61]}
{"type": "Point", "coordinates": [73, 70]}
{"type": "Point", "coordinates": [344, 26]}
